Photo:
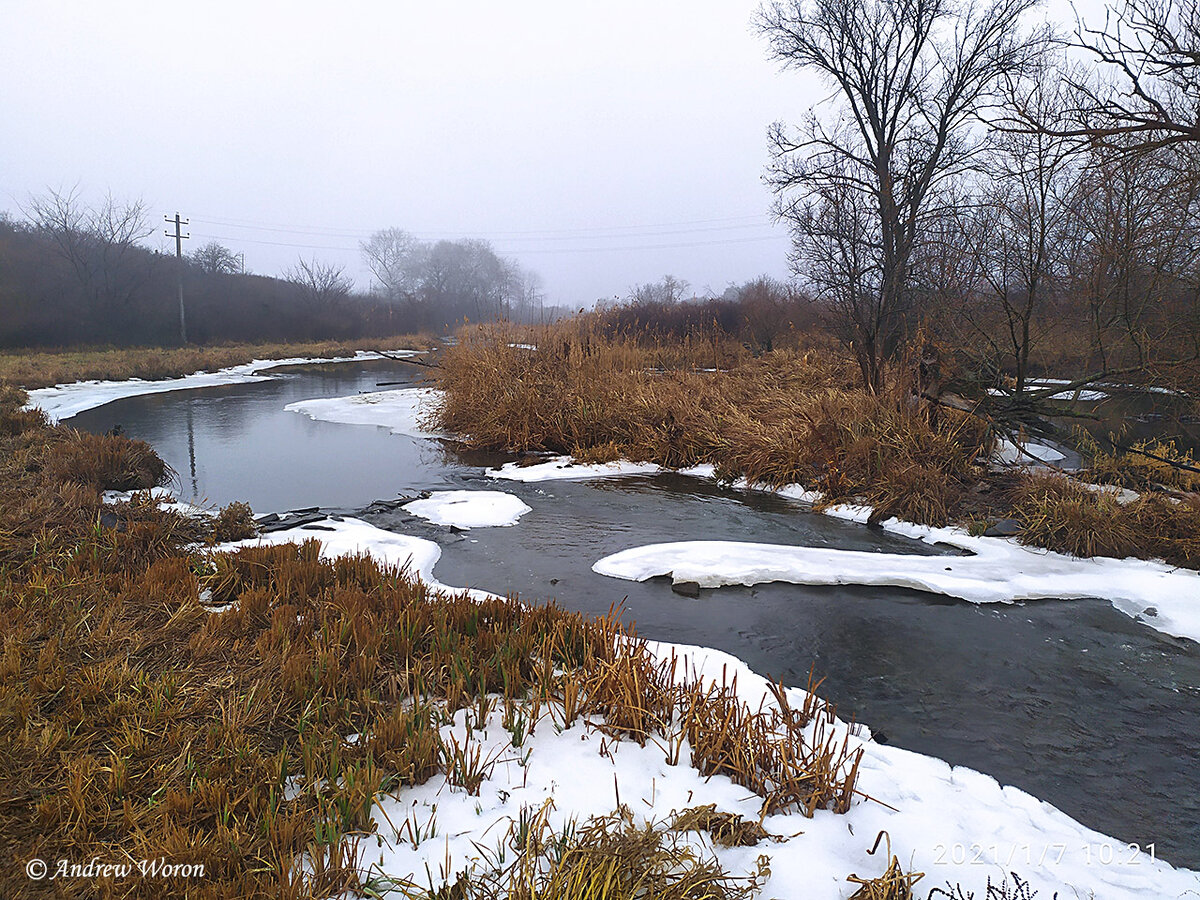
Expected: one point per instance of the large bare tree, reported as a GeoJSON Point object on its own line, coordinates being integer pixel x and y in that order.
{"type": "Point", "coordinates": [912, 77]}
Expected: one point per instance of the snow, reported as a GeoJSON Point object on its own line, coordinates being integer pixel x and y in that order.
{"type": "Point", "coordinates": [939, 817]}
{"type": "Point", "coordinates": [469, 509]}
{"type": "Point", "coordinates": [1009, 453]}
{"type": "Point", "coordinates": [400, 411]}
{"type": "Point", "coordinates": [999, 571]}
{"type": "Point", "coordinates": [564, 467]}
{"type": "Point", "coordinates": [1123, 496]}
{"type": "Point", "coordinates": [65, 400]}
{"type": "Point", "coordinates": [348, 536]}
{"type": "Point", "coordinates": [1083, 393]}
{"type": "Point", "coordinates": [164, 500]}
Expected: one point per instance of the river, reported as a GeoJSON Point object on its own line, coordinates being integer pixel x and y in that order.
{"type": "Point", "coordinates": [1073, 702]}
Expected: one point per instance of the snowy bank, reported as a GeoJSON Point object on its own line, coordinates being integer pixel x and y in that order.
{"type": "Point", "coordinates": [469, 509]}
{"type": "Point", "coordinates": [998, 571]}
{"type": "Point", "coordinates": [349, 537]}
{"type": "Point", "coordinates": [65, 400]}
{"type": "Point", "coordinates": [954, 824]}
{"type": "Point", "coordinates": [400, 411]}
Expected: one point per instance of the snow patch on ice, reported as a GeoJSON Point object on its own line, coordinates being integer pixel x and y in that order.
{"type": "Point", "coordinates": [400, 411]}
{"type": "Point", "coordinates": [65, 400]}
{"type": "Point", "coordinates": [999, 571]}
{"type": "Point", "coordinates": [565, 467]}
{"type": "Point", "coordinates": [469, 509]}
{"type": "Point", "coordinates": [1009, 453]}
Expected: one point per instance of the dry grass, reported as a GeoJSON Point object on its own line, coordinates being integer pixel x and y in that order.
{"type": "Point", "coordinates": [606, 857]}
{"type": "Point", "coordinates": [893, 884]}
{"type": "Point", "coordinates": [1061, 515]}
{"type": "Point", "coordinates": [135, 723]}
{"type": "Point", "coordinates": [1149, 464]}
{"type": "Point", "coordinates": [726, 829]}
{"type": "Point", "coordinates": [36, 369]}
{"type": "Point", "coordinates": [787, 417]}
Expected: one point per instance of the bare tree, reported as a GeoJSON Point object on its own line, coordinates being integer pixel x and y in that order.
{"type": "Point", "coordinates": [1151, 48]}
{"type": "Point", "coordinates": [668, 289]}
{"type": "Point", "coordinates": [913, 76]}
{"type": "Point", "coordinates": [322, 285]}
{"type": "Point", "coordinates": [394, 257]}
{"type": "Point", "coordinates": [217, 259]}
{"type": "Point", "coordinates": [101, 244]}
{"type": "Point", "coordinates": [1015, 232]}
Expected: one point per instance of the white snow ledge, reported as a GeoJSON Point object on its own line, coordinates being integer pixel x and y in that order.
{"type": "Point", "coordinates": [1000, 571]}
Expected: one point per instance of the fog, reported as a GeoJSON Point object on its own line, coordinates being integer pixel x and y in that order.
{"type": "Point", "coordinates": [601, 145]}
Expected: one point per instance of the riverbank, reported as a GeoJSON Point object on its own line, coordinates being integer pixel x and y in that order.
{"type": "Point", "coordinates": [31, 369]}
{"type": "Point", "coordinates": [190, 665]}
{"type": "Point", "coordinates": [796, 417]}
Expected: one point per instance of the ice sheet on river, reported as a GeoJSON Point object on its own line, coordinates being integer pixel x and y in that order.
{"type": "Point", "coordinates": [402, 411]}
{"type": "Point", "coordinates": [998, 571]}
{"type": "Point", "coordinates": [469, 509]}
{"type": "Point", "coordinates": [65, 400]}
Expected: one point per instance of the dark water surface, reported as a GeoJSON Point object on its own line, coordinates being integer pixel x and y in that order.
{"type": "Point", "coordinates": [1071, 701]}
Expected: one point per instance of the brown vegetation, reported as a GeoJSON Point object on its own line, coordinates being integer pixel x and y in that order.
{"type": "Point", "coordinates": [136, 722]}
{"type": "Point", "coordinates": [43, 368]}
{"type": "Point", "coordinates": [788, 417]}
{"type": "Point", "coordinates": [791, 416]}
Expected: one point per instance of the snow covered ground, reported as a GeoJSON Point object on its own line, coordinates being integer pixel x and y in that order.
{"type": "Point", "coordinates": [65, 400]}
{"type": "Point", "coordinates": [401, 411]}
{"type": "Point", "coordinates": [952, 823]}
{"type": "Point", "coordinates": [469, 509]}
{"type": "Point", "coordinates": [955, 824]}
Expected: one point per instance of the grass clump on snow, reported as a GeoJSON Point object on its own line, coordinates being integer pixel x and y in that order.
{"type": "Point", "coordinates": [605, 857]}
{"type": "Point", "coordinates": [1060, 514]}
{"type": "Point", "coordinates": [136, 722]}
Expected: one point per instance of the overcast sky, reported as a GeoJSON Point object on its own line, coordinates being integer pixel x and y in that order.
{"type": "Point", "coordinates": [600, 144]}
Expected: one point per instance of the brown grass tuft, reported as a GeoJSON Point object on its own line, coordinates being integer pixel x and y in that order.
{"type": "Point", "coordinates": [235, 522]}
{"type": "Point", "coordinates": [104, 462]}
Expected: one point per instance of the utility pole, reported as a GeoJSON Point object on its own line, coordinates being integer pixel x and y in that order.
{"type": "Point", "coordinates": [180, 237]}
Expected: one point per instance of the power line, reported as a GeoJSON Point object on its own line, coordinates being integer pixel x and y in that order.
{"type": "Point", "coordinates": [718, 224]}
{"type": "Point", "coordinates": [180, 237]}
{"type": "Point", "coordinates": [529, 251]}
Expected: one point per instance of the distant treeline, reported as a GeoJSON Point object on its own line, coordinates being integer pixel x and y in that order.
{"type": "Point", "coordinates": [764, 314]}
{"type": "Point", "coordinates": [73, 274]}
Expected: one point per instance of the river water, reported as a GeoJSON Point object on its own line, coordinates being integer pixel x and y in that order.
{"type": "Point", "coordinates": [1073, 702]}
